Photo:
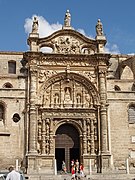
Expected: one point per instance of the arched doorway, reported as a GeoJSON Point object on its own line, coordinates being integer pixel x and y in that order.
{"type": "Point", "coordinates": [67, 145]}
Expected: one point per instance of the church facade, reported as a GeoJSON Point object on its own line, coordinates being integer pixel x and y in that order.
{"type": "Point", "coordinates": [75, 102]}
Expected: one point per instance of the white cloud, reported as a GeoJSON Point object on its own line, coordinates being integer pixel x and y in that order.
{"type": "Point", "coordinates": [131, 54]}
{"type": "Point", "coordinates": [83, 32]}
{"type": "Point", "coordinates": [112, 48]}
{"type": "Point", "coordinates": [45, 29]}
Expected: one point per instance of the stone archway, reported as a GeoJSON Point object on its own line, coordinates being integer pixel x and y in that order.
{"type": "Point", "coordinates": [67, 145]}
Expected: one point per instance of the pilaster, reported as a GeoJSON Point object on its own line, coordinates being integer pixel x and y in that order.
{"type": "Point", "coordinates": [33, 114]}
{"type": "Point", "coordinates": [104, 158]}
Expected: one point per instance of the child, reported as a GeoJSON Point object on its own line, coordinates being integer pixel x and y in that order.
{"type": "Point", "coordinates": [81, 170]}
{"type": "Point", "coordinates": [73, 172]}
{"type": "Point", "coordinates": [64, 169]}
{"type": "Point", "coordinates": [77, 166]}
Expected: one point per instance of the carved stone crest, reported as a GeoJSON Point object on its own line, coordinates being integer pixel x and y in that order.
{"type": "Point", "coordinates": [66, 45]}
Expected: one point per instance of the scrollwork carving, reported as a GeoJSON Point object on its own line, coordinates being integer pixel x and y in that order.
{"type": "Point", "coordinates": [33, 71]}
{"type": "Point", "coordinates": [45, 74]}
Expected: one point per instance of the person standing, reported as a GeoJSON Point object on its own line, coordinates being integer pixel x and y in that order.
{"type": "Point", "coordinates": [64, 169]}
{"type": "Point", "coordinates": [81, 170]}
{"type": "Point", "coordinates": [77, 165]}
{"type": "Point", "coordinates": [13, 175]}
{"type": "Point", "coordinates": [72, 162]}
{"type": "Point", "coordinates": [73, 172]}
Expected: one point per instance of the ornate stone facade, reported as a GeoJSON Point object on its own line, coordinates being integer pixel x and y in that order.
{"type": "Point", "coordinates": [75, 102]}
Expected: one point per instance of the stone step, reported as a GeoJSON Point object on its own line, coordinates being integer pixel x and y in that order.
{"type": "Point", "coordinates": [51, 177]}
{"type": "Point", "coordinates": [111, 177]}
{"type": "Point", "coordinates": [88, 177]}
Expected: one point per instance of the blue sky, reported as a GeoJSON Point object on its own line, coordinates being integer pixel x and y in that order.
{"type": "Point", "coordinates": [117, 16]}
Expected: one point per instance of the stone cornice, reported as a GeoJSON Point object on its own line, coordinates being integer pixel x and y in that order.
{"type": "Point", "coordinates": [67, 110]}
{"type": "Point", "coordinates": [58, 57]}
{"type": "Point", "coordinates": [121, 56]}
{"type": "Point", "coordinates": [11, 53]}
{"type": "Point", "coordinates": [11, 76]}
{"type": "Point", "coordinates": [67, 32]}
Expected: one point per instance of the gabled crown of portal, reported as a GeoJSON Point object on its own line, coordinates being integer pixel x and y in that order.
{"type": "Point", "coordinates": [67, 40]}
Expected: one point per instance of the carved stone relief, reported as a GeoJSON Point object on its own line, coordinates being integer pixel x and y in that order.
{"type": "Point", "coordinates": [44, 75]}
{"type": "Point", "coordinates": [64, 94]}
{"type": "Point", "coordinates": [66, 45]}
{"type": "Point", "coordinates": [65, 62]}
{"type": "Point", "coordinates": [90, 75]}
{"type": "Point", "coordinates": [91, 132]}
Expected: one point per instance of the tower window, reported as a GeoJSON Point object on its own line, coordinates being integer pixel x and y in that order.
{"type": "Point", "coordinates": [1, 112]}
{"type": "Point", "coordinates": [131, 114]}
{"type": "Point", "coordinates": [12, 67]}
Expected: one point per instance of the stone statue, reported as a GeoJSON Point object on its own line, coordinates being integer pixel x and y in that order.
{"type": "Point", "coordinates": [67, 97]}
{"type": "Point", "coordinates": [35, 25]}
{"type": "Point", "coordinates": [67, 19]}
{"type": "Point", "coordinates": [56, 99]}
{"type": "Point", "coordinates": [78, 98]}
{"type": "Point", "coordinates": [99, 28]}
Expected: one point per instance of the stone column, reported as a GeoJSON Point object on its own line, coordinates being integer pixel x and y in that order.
{"type": "Point", "coordinates": [51, 137]}
{"type": "Point", "coordinates": [51, 97]}
{"type": "Point", "coordinates": [92, 136]}
{"type": "Point", "coordinates": [47, 136]}
{"type": "Point", "coordinates": [74, 102]}
{"type": "Point", "coordinates": [61, 104]}
{"type": "Point", "coordinates": [84, 137]}
{"type": "Point", "coordinates": [103, 111]}
{"type": "Point", "coordinates": [33, 114]}
{"type": "Point", "coordinates": [43, 137]}
{"type": "Point", "coordinates": [88, 137]}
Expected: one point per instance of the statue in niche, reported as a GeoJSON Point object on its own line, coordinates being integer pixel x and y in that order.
{"type": "Point", "coordinates": [78, 99]}
{"type": "Point", "coordinates": [88, 101]}
{"type": "Point", "coordinates": [35, 25]}
{"type": "Point", "coordinates": [67, 96]}
{"type": "Point", "coordinates": [99, 28]}
{"type": "Point", "coordinates": [88, 148]}
{"type": "Point", "coordinates": [47, 146]}
{"type": "Point", "coordinates": [56, 99]}
{"type": "Point", "coordinates": [46, 98]}
{"type": "Point", "coordinates": [39, 147]}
